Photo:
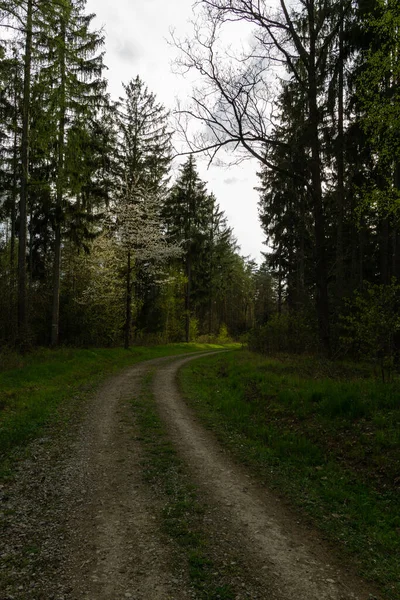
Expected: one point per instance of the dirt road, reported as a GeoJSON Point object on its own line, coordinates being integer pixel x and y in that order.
{"type": "Point", "coordinates": [82, 522]}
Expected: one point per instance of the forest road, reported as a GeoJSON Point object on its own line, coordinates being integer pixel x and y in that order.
{"type": "Point", "coordinates": [292, 562]}
{"type": "Point", "coordinates": [98, 516]}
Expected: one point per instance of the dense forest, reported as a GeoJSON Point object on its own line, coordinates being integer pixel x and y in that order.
{"type": "Point", "coordinates": [102, 242]}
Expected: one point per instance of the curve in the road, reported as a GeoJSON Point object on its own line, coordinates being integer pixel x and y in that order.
{"type": "Point", "coordinates": [294, 563]}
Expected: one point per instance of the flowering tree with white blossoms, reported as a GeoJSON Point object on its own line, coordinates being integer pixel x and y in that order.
{"type": "Point", "coordinates": [138, 234]}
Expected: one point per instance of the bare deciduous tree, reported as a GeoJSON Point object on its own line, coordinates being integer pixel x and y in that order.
{"type": "Point", "coordinates": [233, 100]}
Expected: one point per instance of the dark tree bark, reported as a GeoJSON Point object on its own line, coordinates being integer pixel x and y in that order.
{"type": "Point", "coordinates": [187, 296]}
{"type": "Point", "coordinates": [384, 246]}
{"type": "Point", "coordinates": [14, 200]}
{"type": "Point", "coordinates": [396, 232]}
{"type": "Point", "coordinates": [340, 170]}
{"type": "Point", "coordinates": [59, 193]}
{"type": "Point", "coordinates": [321, 270]}
{"type": "Point", "coordinates": [22, 241]}
{"type": "Point", "coordinates": [128, 308]}
{"type": "Point", "coordinates": [301, 257]}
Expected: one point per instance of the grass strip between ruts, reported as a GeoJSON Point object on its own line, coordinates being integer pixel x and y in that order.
{"type": "Point", "coordinates": [290, 428]}
{"type": "Point", "coordinates": [182, 515]}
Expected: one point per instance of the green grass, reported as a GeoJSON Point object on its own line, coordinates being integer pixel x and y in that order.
{"type": "Point", "coordinates": [32, 392]}
{"type": "Point", "coordinates": [182, 513]}
{"type": "Point", "coordinates": [325, 435]}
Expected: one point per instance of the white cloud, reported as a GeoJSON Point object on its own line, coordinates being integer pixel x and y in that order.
{"type": "Point", "coordinates": [231, 180]}
{"type": "Point", "coordinates": [127, 51]}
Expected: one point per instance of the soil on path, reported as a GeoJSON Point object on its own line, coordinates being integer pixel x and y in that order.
{"type": "Point", "coordinates": [115, 547]}
{"type": "Point", "coordinates": [92, 519]}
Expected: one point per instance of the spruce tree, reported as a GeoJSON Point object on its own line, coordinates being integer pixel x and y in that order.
{"type": "Point", "coordinates": [74, 90]}
{"type": "Point", "coordinates": [10, 173]}
{"type": "Point", "coordinates": [144, 138]}
{"type": "Point", "coordinates": [185, 214]}
{"type": "Point", "coordinates": [143, 163]}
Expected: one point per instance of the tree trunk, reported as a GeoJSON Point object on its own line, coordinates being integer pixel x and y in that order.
{"type": "Point", "coordinates": [322, 301]}
{"type": "Point", "coordinates": [22, 304]}
{"type": "Point", "coordinates": [384, 250]}
{"type": "Point", "coordinates": [56, 287]}
{"type": "Point", "coordinates": [211, 267]}
{"type": "Point", "coordinates": [14, 195]}
{"type": "Point", "coordinates": [396, 232]}
{"type": "Point", "coordinates": [210, 313]}
{"type": "Point", "coordinates": [59, 195]}
{"type": "Point", "coordinates": [280, 284]}
{"type": "Point", "coordinates": [187, 296]}
{"type": "Point", "coordinates": [128, 311]}
{"type": "Point", "coordinates": [321, 277]}
{"type": "Point", "coordinates": [300, 292]}
{"type": "Point", "coordinates": [361, 243]}
{"type": "Point", "coordinates": [30, 250]}
{"type": "Point", "coordinates": [340, 172]}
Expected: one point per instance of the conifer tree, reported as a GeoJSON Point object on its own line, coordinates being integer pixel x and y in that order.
{"type": "Point", "coordinates": [186, 212]}
{"type": "Point", "coordinates": [10, 146]}
{"type": "Point", "coordinates": [74, 89]}
{"type": "Point", "coordinates": [144, 138]}
{"type": "Point", "coordinates": [143, 162]}
{"type": "Point", "coordinates": [216, 258]}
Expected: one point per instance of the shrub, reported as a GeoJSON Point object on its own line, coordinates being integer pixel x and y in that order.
{"type": "Point", "coordinates": [371, 325]}
{"type": "Point", "coordinates": [223, 335]}
{"type": "Point", "coordinates": [292, 333]}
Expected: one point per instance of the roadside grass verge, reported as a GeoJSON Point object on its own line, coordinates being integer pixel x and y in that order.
{"type": "Point", "coordinates": [32, 394]}
{"type": "Point", "coordinates": [325, 436]}
{"type": "Point", "coordinates": [182, 513]}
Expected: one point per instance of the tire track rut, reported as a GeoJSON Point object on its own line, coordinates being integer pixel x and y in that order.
{"type": "Point", "coordinates": [291, 560]}
{"type": "Point", "coordinates": [115, 548]}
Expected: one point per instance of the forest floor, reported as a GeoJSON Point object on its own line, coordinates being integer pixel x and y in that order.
{"type": "Point", "coordinates": [135, 499]}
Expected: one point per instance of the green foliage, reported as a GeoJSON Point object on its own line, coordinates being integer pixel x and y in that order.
{"type": "Point", "coordinates": [218, 282]}
{"type": "Point", "coordinates": [285, 332]}
{"type": "Point", "coordinates": [144, 140]}
{"type": "Point", "coordinates": [193, 329]}
{"type": "Point", "coordinates": [171, 305]}
{"type": "Point", "coordinates": [223, 335]}
{"type": "Point", "coordinates": [92, 295]}
{"type": "Point", "coordinates": [378, 85]}
{"type": "Point", "coordinates": [371, 325]}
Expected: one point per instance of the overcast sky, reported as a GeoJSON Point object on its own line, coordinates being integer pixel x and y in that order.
{"type": "Point", "coordinates": [137, 34]}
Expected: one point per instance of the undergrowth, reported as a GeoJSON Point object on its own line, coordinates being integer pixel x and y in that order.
{"type": "Point", "coordinates": [325, 435]}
